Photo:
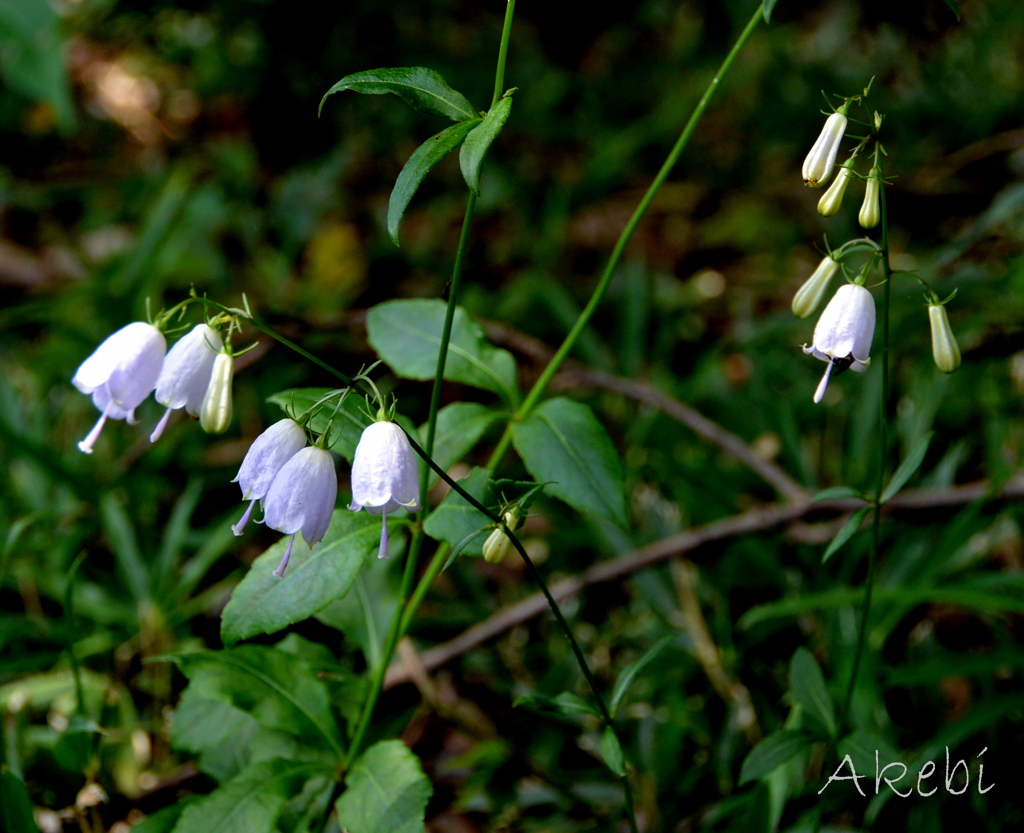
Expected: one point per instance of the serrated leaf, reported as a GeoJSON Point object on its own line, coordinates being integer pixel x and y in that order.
{"type": "Point", "coordinates": [252, 800]}
{"type": "Point", "coordinates": [955, 6]}
{"type": "Point", "coordinates": [773, 752]}
{"type": "Point", "coordinates": [264, 603]}
{"type": "Point", "coordinates": [349, 420]}
{"type": "Point", "coordinates": [563, 443]}
{"type": "Point", "coordinates": [837, 493]}
{"type": "Point", "coordinates": [459, 428]}
{"type": "Point", "coordinates": [385, 791]}
{"type": "Point", "coordinates": [630, 673]}
{"type": "Point", "coordinates": [807, 685]}
{"type": "Point", "coordinates": [611, 751]}
{"type": "Point", "coordinates": [908, 468]}
{"type": "Point", "coordinates": [566, 704]}
{"type": "Point", "coordinates": [407, 335]}
{"type": "Point", "coordinates": [215, 731]}
{"type": "Point", "coordinates": [767, 7]}
{"type": "Point", "coordinates": [422, 88]}
{"type": "Point", "coordinates": [419, 165]}
{"type": "Point", "coordinates": [479, 140]}
{"type": "Point", "coordinates": [846, 533]}
{"type": "Point", "coordinates": [278, 689]}
{"type": "Point", "coordinates": [455, 519]}
{"type": "Point", "coordinates": [15, 804]}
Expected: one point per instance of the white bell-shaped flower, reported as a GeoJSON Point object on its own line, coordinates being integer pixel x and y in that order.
{"type": "Point", "coordinates": [264, 460]}
{"type": "Point", "coordinates": [822, 157]}
{"type": "Point", "coordinates": [385, 476]}
{"type": "Point", "coordinates": [843, 334]}
{"type": "Point", "coordinates": [120, 374]}
{"type": "Point", "coordinates": [186, 373]}
{"type": "Point", "coordinates": [301, 498]}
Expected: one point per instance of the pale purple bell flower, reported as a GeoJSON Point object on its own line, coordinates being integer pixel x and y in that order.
{"type": "Point", "coordinates": [301, 498]}
{"type": "Point", "coordinates": [186, 373]}
{"type": "Point", "coordinates": [120, 374]}
{"type": "Point", "coordinates": [385, 476]}
{"type": "Point", "coordinates": [264, 460]}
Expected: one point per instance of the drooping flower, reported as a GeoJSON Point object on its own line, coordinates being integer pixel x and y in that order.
{"type": "Point", "coordinates": [822, 157]}
{"type": "Point", "coordinates": [385, 476]}
{"type": "Point", "coordinates": [871, 209]}
{"type": "Point", "coordinates": [809, 296]}
{"type": "Point", "coordinates": [186, 372]}
{"type": "Point", "coordinates": [264, 460]}
{"type": "Point", "coordinates": [832, 199]}
{"type": "Point", "coordinates": [843, 334]}
{"type": "Point", "coordinates": [301, 498]}
{"type": "Point", "coordinates": [120, 374]}
{"type": "Point", "coordinates": [945, 350]}
{"type": "Point", "coordinates": [215, 411]}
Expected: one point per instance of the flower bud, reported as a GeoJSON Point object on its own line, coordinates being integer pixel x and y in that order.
{"type": "Point", "coordinates": [820, 161]}
{"type": "Point", "coordinates": [808, 297]}
{"type": "Point", "coordinates": [497, 543]}
{"type": "Point", "coordinates": [832, 199]}
{"type": "Point", "coordinates": [215, 412]}
{"type": "Point", "coordinates": [871, 208]}
{"type": "Point", "coordinates": [945, 350]}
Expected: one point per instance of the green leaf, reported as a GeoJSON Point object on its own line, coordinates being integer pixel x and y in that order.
{"type": "Point", "coordinates": [164, 821]}
{"type": "Point", "coordinates": [955, 6]}
{"type": "Point", "coordinates": [611, 751]}
{"type": "Point", "coordinates": [420, 87]}
{"type": "Point", "coordinates": [276, 688]}
{"type": "Point", "coordinates": [422, 160]}
{"type": "Point", "coordinates": [252, 800]}
{"type": "Point", "coordinates": [773, 752]}
{"type": "Point", "coordinates": [630, 673]}
{"type": "Point", "coordinates": [908, 467]}
{"type": "Point", "coordinates": [846, 533]}
{"type": "Point", "coordinates": [566, 704]}
{"type": "Point", "coordinates": [74, 747]}
{"type": "Point", "coordinates": [215, 731]}
{"type": "Point", "coordinates": [861, 746]}
{"type": "Point", "coordinates": [454, 520]}
{"type": "Point", "coordinates": [768, 6]}
{"type": "Point", "coordinates": [807, 685]}
{"type": "Point", "coordinates": [407, 335]}
{"type": "Point", "coordinates": [477, 143]}
{"type": "Point", "coordinates": [348, 424]}
{"type": "Point", "coordinates": [563, 443]}
{"type": "Point", "coordinates": [837, 493]}
{"type": "Point", "coordinates": [264, 603]}
{"type": "Point", "coordinates": [385, 791]}
{"type": "Point", "coordinates": [459, 428]}
{"type": "Point", "coordinates": [15, 804]}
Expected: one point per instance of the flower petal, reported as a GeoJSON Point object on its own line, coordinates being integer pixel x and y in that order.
{"type": "Point", "coordinates": [186, 371]}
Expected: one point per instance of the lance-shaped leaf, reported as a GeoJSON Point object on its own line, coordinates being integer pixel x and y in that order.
{"type": "Point", "coordinates": [772, 753]}
{"type": "Point", "coordinates": [908, 468]}
{"type": "Point", "coordinates": [563, 444]}
{"type": "Point", "coordinates": [385, 791]}
{"type": "Point", "coordinates": [807, 685]}
{"type": "Point", "coordinates": [264, 603]}
{"type": "Point", "coordinates": [422, 160]}
{"type": "Point", "coordinates": [474, 149]}
{"type": "Point", "coordinates": [846, 533]}
{"type": "Point", "coordinates": [423, 88]}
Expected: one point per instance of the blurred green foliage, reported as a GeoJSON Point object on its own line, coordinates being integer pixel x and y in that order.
{"type": "Point", "coordinates": [154, 146]}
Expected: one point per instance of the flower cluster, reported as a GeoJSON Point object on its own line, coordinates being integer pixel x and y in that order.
{"type": "Point", "coordinates": [297, 486]}
{"type": "Point", "coordinates": [133, 363]}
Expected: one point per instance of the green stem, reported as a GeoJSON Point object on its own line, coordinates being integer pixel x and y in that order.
{"type": "Point", "coordinates": [883, 453]}
{"type": "Point", "coordinates": [506, 33]}
{"type": "Point", "coordinates": [620, 246]}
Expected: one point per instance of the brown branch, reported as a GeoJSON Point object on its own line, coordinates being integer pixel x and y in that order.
{"type": "Point", "coordinates": [575, 375]}
{"type": "Point", "coordinates": [755, 520]}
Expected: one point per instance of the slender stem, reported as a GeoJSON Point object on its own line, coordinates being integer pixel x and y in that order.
{"type": "Point", "coordinates": [883, 453]}
{"type": "Point", "coordinates": [612, 265]}
{"type": "Point", "coordinates": [506, 33]}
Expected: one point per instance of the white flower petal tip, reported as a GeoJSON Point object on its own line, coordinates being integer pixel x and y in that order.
{"type": "Point", "coordinates": [120, 374]}
{"type": "Point", "coordinates": [843, 334]}
{"type": "Point", "coordinates": [302, 495]}
{"type": "Point", "coordinates": [385, 476]}
{"type": "Point", "coordinates": [822, 158]}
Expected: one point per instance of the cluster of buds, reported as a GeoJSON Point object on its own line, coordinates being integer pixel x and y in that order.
{"type": "Point", "coordinates": [297, 486]}
{"type": "Point", "coordinates": [133, 363]}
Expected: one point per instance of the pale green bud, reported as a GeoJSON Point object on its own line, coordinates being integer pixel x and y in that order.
{"type": "Point", "coordinates": [215, 412]}
{"type": "Point", "coordinates": [809, 296]}
{"type": "Point", "coordinates": [871, 208]}
{"type": "Point", "coordinates": [497, 543]}
{"type": "Point", "coordinates": [822, 157]}
{"type": "Point", "coordinates": [945, 350]}
{"type": "Point", "coordinates": [832, 199]}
